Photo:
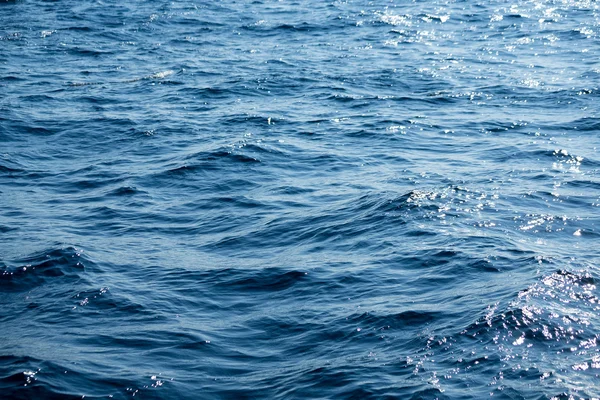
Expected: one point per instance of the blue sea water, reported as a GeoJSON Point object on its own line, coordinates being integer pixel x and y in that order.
{"type": "Point", "coordinates": [299, 199]}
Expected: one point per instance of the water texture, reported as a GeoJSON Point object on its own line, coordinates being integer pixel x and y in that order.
{"type": "Point", "coordinates": [299, 199]}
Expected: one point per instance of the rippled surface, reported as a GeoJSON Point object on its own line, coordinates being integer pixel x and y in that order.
{"type": "Point", "coordinates": [299, 199]}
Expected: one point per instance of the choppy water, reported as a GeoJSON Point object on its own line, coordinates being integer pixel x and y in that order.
{"type": "Point", "coordinates": [299, 199]}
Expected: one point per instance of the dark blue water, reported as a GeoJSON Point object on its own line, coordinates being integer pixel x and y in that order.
{"type": "Point", "coordinates": [299, 199]}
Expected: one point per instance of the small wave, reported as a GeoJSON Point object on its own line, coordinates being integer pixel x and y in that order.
{"type": "Point", "coordinates": [161, 75]}
{"type": "Point", "coordinates": [126, 191]}
{"type": "Point", "coordinates": [267, 280]}
{"type": "Point", "coordinates": [156, 76]}
{"type": "Point", "coordinates": [40, 268]}
{"type": "Point", "coordinates": [402, 320]}
{"type": "Point", "coordinates": [211, 157]}
{"type": "Point", "coordinates": [9, 170]}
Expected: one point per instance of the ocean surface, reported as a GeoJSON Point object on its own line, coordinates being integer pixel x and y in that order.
{"type": "Point", "coordinates": [299, 199]}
